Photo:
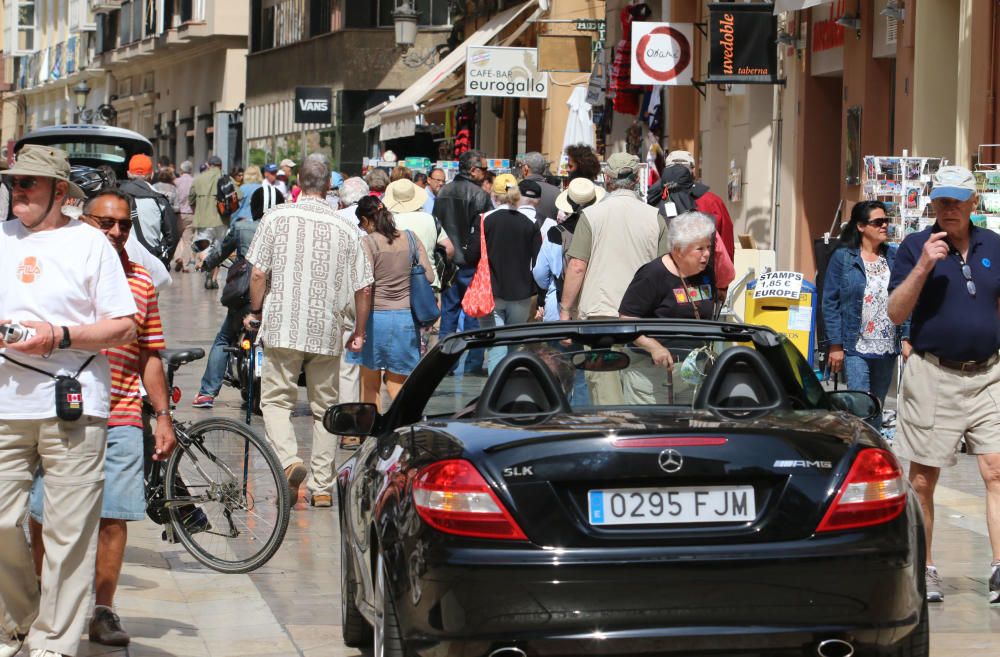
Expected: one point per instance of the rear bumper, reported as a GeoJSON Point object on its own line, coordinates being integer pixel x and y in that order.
{"type": "Point", "coordinates": [459, 601]}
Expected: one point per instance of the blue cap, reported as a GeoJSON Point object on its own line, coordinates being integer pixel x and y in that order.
{"type": "Point", "coordinates": [270, 168]}
{"type": "Point", "coordinates": [336, 180]}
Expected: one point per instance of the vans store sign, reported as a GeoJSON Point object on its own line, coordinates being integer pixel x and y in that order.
{"type": "Point", "coordinates": [504, 73]}
{"type": "Point", "coordinates": [742, 44]}
{"type": "Point", "coordinates": [313, 104]}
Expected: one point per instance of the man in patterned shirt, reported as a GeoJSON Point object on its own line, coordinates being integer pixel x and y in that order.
{"type": "Point", "coordinates": [124, 492]}
{"type": "Point", "coordinates": [316, 266]}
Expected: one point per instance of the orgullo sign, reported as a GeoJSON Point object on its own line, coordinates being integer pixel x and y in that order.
{"type": "Point", "coordinates": [742, 44]}
{"type": "Point", "coordinates": [662, 53]}
{"type": "Point", "coordinates": [313, 104]}
{"type": "Point", "coordinates": [504, 73]}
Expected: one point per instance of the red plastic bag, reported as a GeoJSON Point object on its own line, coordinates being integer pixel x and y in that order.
{"type": "Point", "coordinates": [478, 300]}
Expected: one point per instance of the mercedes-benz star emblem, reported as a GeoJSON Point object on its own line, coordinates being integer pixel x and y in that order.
{"type": "Point", "coordinates": [671, 461]}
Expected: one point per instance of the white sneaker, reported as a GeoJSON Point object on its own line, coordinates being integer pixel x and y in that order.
{"type": "Point", "coordinates": [10, 646]}
{"type": "Point", "coordinates": [46, 653]}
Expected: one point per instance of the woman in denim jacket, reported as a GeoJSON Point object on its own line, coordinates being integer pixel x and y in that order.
{"type": "Point", "coordinates": [863, 340]}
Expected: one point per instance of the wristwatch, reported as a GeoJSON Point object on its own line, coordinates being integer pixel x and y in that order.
{"type": "Point", "coordinates": [65, 342]}
{"type": "Point", "coordinates": [163, 413]}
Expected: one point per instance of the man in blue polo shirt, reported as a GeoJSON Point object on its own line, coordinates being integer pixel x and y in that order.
{"type": "Point", "coordinates": [948, 278]}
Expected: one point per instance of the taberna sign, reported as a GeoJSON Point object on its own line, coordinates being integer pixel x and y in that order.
{"type": "Point", "coordinates": [742, 44]}
{"type": "Point", "coordinates": [504, 73]}
{"type": "Point", "coordinates": [313, 104]}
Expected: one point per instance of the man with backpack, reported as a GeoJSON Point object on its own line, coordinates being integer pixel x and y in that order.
{"type": "Point", "coordinates": [153, 219]}
{"type": "Point", "coordinates": [209, 226]}
{"type": "Point", "coordinates": [550, 267]}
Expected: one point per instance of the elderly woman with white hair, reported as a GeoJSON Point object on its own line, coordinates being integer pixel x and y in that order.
{"type": "Point", "coordinates": [678, 285]}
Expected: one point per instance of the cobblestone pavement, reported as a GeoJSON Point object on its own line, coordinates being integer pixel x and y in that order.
{"type": "Point", "coordinates": [174, 607]}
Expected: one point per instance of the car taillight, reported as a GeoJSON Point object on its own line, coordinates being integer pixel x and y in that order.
{"type": "Point", "coordinates": [874, 492]}
{"type": "Point", "coordinates": [453, 497]}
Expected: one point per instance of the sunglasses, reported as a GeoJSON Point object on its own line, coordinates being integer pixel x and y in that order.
{"type": "Point", "coordinates": [28, 182]}
{"type": "Point", "coordinates": [878, 223]}
{"type": "Point", "coordinates": [970, 285]}
{"type": "Point", "coordinates": [107, 223]}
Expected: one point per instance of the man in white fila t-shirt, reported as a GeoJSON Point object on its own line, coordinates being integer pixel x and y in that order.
{"type": "Point", "coordinates": [61, 279]}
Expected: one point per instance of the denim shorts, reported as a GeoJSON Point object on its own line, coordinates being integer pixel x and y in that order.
{"type": "Point", "coordinates": [393, 342]}
{"type": "Point", "coordinates": [124, 487]}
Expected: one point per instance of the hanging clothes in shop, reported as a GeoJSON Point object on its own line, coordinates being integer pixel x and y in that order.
{"type": "Point", "coordinates": [465, 124]}
{"type": "Point", "coordinates": [579, 123]}
{"type": "Point", "coordinates": [627, 96]}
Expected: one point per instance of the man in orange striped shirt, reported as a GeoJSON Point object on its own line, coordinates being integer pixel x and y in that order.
{"type": "Point", "coordinates": [124, 491]}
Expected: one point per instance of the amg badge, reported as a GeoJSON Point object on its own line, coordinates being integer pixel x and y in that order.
{"type": "Point", "coordinates": [826, 465]}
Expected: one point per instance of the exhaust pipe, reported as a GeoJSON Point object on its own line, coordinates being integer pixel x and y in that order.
{"type": "Point", "coordinates": [510, 651]}
{"type": "Point", "coordinates": [835, 648]}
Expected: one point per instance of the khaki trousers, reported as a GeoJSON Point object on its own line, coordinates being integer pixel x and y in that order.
{"type": "Point", "coordinates": [183, 253]}
{"type": "Point", "coordinates": [72, 455]}
{"type": "Point", "coordinates": [279, 390]}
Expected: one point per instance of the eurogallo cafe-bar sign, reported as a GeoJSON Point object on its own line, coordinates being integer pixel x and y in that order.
{"type": "Point", "coordinates": [742, 44]}
{"type": "Point", "coordinates": [505, 73]}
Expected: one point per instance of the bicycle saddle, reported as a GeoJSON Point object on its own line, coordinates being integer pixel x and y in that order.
{"type": "Point", "coordinates": [178, 357]}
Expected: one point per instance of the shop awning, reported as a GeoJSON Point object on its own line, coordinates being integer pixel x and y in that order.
{"type": "Point", "coordinates": [372, 118]}
{"type": "Point", "coordinates": [399, 117]}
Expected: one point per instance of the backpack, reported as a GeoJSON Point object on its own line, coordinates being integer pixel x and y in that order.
{"type": "Point", "coordinates": [155, 225]}
{"type": "Point", "coordinates": [227, 201]}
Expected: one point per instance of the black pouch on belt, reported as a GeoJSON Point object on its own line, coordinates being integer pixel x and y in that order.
{"type": "Point", "coordinates": [69, 398]}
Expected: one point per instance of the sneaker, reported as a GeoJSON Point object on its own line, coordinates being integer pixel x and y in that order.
{"type": "Point", "coordinates": [295, 474]}
{"type": "Point", "coordinates": [47, 653]}
{"type": "Point", "coordinates": [203, 401]}
{"type": "Point", "coordinates": [10, 645]}
{"type": "Point", "coordinates": [321, 500]}
{"type": "Point", "coordinates": [106, 628]}
{"type": "Point", "coordinates": [933, 583]}
{"type": "Point", "coordinates": [995, 582]}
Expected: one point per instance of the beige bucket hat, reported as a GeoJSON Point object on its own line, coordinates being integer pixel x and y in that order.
{"type": "Point", "coordinates": [403, 196]}
{"type": "Point", "coordinates": [44, 162]}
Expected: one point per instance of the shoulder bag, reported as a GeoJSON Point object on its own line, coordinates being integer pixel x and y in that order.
{"type": "Point", "coordinates": [478, 300]}
{"type": "Point", "coordinates": [236, 291]}
{"type": "Point", "coordinates": [422, 302]}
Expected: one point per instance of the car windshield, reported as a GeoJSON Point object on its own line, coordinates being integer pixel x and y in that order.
{"type": "Point", "coordinates": [608, 372]}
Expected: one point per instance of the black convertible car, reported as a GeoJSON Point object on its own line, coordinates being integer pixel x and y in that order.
{"type": "Point", "coordinates": [586, 499]}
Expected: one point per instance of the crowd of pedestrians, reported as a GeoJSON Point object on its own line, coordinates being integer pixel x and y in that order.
{"type": "Point", "coordinates": [326, 275]}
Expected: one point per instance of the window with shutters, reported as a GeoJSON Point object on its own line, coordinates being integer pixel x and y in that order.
{"type": "Point", "coordinates": [19, 27]}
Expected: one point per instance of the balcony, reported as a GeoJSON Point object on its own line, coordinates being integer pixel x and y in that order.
{"type": "Point", "coordinates": [103, 6]}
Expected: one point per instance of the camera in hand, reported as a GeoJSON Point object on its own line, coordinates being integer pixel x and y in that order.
{"type": "Point", "coordinates": [14, 332]}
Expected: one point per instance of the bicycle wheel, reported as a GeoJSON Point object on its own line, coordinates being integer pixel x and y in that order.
{"type": "Point", "coordinates": [229, 502]}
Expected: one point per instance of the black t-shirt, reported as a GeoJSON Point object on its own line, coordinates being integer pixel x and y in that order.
{"type": "Point", "coordinates": [656, 292]}
{"type": "Point", "coordinates": [512, 243]}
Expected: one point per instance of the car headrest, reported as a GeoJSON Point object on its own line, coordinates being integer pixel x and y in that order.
{"type": "Point", "coordinates": [740, 383]}
{"type": "Point", "coordinates": [522, 384]}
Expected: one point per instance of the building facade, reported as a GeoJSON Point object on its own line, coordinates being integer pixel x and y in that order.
{"type": "Point", "coordinates": [873, 77]}
{"type": "Point", "coordinates": [171, 70]}
{"type": "Point", "coordinates": [346, 46]}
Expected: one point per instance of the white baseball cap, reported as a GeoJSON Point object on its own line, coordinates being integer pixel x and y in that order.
{"type": "Point", "coordinates": [682, 157]}
{"type": "Point", "coordinates": [288, 163]}
{"type": "Point", "coordinates": [953, 182]}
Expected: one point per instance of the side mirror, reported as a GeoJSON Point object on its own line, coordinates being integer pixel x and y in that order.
{"type": "Point", "coordinates": [351, 419]}
{"type": "Point", "coordinates": [856, 402]}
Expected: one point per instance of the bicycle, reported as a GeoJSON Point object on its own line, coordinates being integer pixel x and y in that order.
{"type": "Point", "coordinates": [229, 503]}
{"type": "Point", "coordinates": [243, 372]}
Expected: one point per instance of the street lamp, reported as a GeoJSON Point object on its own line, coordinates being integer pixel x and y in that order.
{"type": "Point", "coordinates": [405, 22]}
{"type": "Point", "coordinates": [80, 93]}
